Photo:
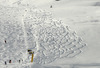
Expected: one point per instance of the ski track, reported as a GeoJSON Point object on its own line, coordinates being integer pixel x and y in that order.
{"type": "Point", "coordinates": [25, 33]}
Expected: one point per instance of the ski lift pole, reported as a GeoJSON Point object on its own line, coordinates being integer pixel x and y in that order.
{"type": "Point", "coordinates": [32, 57]}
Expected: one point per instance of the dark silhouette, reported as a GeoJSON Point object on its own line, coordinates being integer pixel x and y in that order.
{"type": "Point", "coordinates": [29, 50]}
{"type": "Point", "coordinates": [5, 41]}
{"type": "Point", "coordinates": [57, 0]}
{"type": "Point", "coordinates": [51, 6]}
{"type": "Point", "coordinates": [19, 61]}
{"type": "Point", "coordinates": [9, 61]}
{"type": "Point", "coordinates": [22, 60]}
{"type": "Point", "coordinates": [5, 63]}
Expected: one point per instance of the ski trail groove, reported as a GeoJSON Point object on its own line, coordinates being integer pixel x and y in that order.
{"type": "Point", "coordinates": [24, 30]}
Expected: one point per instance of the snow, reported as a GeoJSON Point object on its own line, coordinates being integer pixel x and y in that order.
{"type": "Point", "coordinates": [71, 40]}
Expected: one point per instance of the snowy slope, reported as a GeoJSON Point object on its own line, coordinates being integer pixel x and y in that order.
{"type": "Point", "coordinates": [82, 16]}
{"type": "Point", "coordinates": [84, 19]}
{"type": "Point", "coordinates": [37, 30]}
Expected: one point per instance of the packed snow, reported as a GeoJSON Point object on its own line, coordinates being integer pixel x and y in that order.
{"type": "Point", "coordinates": [61, 33]}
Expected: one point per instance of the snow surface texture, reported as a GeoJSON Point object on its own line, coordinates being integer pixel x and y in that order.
{"type": "Point", "coordinates": [35, 29]}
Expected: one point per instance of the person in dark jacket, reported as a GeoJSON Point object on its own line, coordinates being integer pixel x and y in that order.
{"type": "Point", "coordinates": [51, 6]}
{"type": "Point", "coordinates": [19, 61]}
{"type": "Point", "coordinates": [5, 41]}
{"type": "Point", "coordinates": [5, 63]}
{"type": "Point", "coordinates": [9, 61]}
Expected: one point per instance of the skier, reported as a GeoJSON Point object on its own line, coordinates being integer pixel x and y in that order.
{"type": "Point", "coordinates": [9, 61]}
{"type": "Point", "coordinates": [5, 63]}
{"type": "Point", "coordinates": [19, 61]}
{"type": "Point", "coordinates": [51, 6]}
{"type": "Point", "coordinates": [5, 41]}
